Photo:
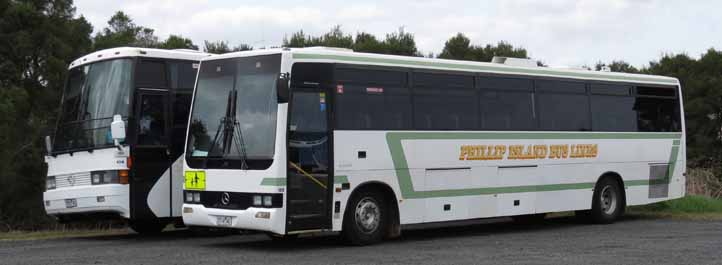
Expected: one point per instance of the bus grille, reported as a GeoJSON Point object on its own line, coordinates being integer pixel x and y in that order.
{"type": "Point", "coordinates": [72, 180]}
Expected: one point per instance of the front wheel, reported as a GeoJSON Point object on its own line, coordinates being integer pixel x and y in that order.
{"type": "Point", "coordinates": [607, 203]}
{"type": "Point", "coordinates": [365, 218]}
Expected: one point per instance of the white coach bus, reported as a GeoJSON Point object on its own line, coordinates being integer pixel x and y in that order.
{"type": "Point", "coordinates": [291, 141]}
{"type": "Point", "coordinates": [95, 173]}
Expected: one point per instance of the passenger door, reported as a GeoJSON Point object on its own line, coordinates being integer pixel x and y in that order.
{"type": "Point", "coordinates": [309, 163]}
{"type": "Point", "coordinates": [150, 187]}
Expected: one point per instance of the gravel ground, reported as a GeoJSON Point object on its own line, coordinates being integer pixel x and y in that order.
{"type": "Point", "coordinates": [633, 240]}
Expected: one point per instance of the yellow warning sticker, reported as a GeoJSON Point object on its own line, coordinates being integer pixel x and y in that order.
{"type": "Point", "coordinates": [195, 180]}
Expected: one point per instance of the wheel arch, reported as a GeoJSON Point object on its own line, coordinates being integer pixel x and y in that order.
{"type": "Point", "coordinates": [618, 178]}
{"type": "Point", "coordinates": [392, 203]}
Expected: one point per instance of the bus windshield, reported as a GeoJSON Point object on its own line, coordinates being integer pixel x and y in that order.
{"type": "Point", "coordinates": [234, 112]}
{"type": "Point", "coordinates": [92, 95]}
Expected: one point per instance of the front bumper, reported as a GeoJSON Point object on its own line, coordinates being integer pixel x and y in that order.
{"type": "Point", "coordinates": [198, 215]}
{"type": "Point", "coordinates": [116, 200]}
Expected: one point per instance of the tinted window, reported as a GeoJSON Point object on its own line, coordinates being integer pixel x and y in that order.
{"type": "Point", "coordinates": [563, 112]}
{"type": "Point", "coordinates": [151, 74]}
{"type": "Point", "coordinates": [507, 111]}
{"type": "Point", "coordinates": [183, 75]}
{"type": "Point", "coordinates": [658, 114]}
{"type": "Point", "coordinates": [498, 83]}
{"type": "Point", "coordinates": [657, 91]}
{"type": "Point", "coordinates": [371, 76]}
{"type": "Point", "coordinates": [560, 86]}
{"type": "Point", "coordinates": [613, 114]}
{"type": "Point", "coordinates": [445, 112]}
{"type": "Point", "coordinates": [181, 108]}
{"type": "Point", "coordinates": [429, 80]}
{"type": "Point", "coordinates": [610, 89]}
{"type": "Point", "coordinates": [151, 124]}
{"type": "Point", "coordinates": [361, 107]}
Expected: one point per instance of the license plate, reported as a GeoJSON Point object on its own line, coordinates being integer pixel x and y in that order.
{"type": "Point", "coordinates": [224, 220]}
{"type": "Point", "coordinates": [71, 203]}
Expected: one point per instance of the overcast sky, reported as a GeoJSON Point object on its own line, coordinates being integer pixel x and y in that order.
{"type": "Point", "coordinates": [557, 32]}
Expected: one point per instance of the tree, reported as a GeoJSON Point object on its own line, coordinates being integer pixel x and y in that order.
{"type": "Point", "coordinates": [459, 47]}
{"type": "Point", "coordinates": [177, 42]}
{"type": "Point", "coordinates": [121, 31]}
{"type": "Point", "coordinates": [401, 43]}
{"type": "Point", "coordinates": [365, 42]}
{"type": "Point", "coordinates": [38, 39]}
{"type": "Point", "coordinates": [702, 93]}
{"type": "Point", "coordinates": [221, 47]}
{"type": "Point", "coordinates": [617, 66]}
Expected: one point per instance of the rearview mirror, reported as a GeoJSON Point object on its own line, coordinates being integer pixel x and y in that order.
{"type": "Point", "coordinates": [117, 129]}
{"type": "Point", "coordinates": [282, 88]}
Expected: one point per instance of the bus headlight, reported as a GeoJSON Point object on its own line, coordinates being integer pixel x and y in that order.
{"type": "Point", "coordinates": [257, 200]}
{"type": "Point", "coordinates": [50, 183]}
{"type": "Point", "coordinates": [192, 197]}
{"type": "Point", "coordinates": [267, 200]}
{"type": "Point", "coordinates": [104, 177]}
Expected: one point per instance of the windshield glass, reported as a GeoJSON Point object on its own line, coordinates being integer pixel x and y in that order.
{"type": "Point", "coordinates": [234, 112]}
{"type": "Point", "coordinates": [93, 94]}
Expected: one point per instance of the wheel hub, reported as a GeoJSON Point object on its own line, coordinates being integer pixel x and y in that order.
{"type": "Point", "coordinates": [367, 215]}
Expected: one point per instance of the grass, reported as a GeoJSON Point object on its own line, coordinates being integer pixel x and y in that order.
{"type": "Point", "coordinates": [52, 234]}
{"type": "Point", "coordinates": [692, 207]}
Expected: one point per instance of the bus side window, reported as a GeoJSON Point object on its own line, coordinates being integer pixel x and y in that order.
{"type": "Point", "coordinates": [151, 121]}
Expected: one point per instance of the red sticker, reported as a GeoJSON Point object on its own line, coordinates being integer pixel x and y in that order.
{"type": "Point", "coordinates": [339, 89]}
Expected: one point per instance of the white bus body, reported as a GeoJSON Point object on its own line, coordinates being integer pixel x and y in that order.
{"type": "Point", "coordinates": [88, 175]}
{"type": "Point", "coordinates": [449, 172]}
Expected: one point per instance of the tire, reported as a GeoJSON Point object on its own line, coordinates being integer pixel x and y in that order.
{"type": "Point", "coordinates": [365, 219]}
{"type": "Point", "coordinates": [147, 227]}
{"type": "Point", "coordinates": [608, 202]}
{"type": "Point", "coordinates": [529, 219]}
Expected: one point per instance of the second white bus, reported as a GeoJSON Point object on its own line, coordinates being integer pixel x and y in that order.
{"type": "Point", "coordinates": [291, 141]}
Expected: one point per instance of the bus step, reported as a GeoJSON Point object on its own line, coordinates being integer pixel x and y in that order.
{"type": "Point", "coordinates": [306, 216]}
{"type": "Point", "coordinates": [297, 202]}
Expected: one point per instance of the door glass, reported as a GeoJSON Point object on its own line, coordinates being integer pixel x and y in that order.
{"type": "Point", "coordinates": [308, 132]}
{"type": "Point", "coordinates": [151, 121]}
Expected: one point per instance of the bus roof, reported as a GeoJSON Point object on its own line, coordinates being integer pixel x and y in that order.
{"type": "Point", "coordinates": [335, 55]}
{"type": "Point", "coordinates": [182, 54]}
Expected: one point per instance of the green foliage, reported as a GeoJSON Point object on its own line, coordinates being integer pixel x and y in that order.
{"type": "Point", "coordinates": [688, 204]}
{"type": "Point", "coordinates": [702, 94]}
{"type": "Point", "coordinates": [221, 47]}
{"type": "Point", "coordinates": [398, 43]}
{"type": "Point", "coordinates": [617, 66]}
{"type": "Point", "coordinates": [122, 32]}
{"type": "Point", "coordinates": [177, 42]}
{"type": "Point", "coordinates": [38, 39]}
{"type": "Point", "coordinates": [459, 47]}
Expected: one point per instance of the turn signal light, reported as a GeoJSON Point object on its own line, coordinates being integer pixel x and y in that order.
{"type": "Point", "coordinates": [123, 176]}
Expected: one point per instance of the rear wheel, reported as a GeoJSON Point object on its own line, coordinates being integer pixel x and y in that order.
{"type": "Point", "coordinates": [607, 203]}
{"type": "Point", "coordinates": [365, 219]}
{"type": "Point", "coordinates": [147, 227]}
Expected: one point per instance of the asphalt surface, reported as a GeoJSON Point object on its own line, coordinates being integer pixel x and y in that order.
{"type": "Point", "coordinates": [555, 241]}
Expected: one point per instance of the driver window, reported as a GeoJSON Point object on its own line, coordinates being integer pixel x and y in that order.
{"type": "Point", "coordinates": [151, 120]}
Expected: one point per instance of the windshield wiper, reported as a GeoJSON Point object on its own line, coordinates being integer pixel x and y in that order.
{"type": "Point", "coordinates": [231, 132]}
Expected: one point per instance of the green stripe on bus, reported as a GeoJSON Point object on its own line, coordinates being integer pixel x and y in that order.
{"type": "Point", "coordinates": [273, 182]}
{"type": "Point", "coordinates": [675, 142]}
{"type": "Point", "coordinates": [470, 67]}
{"type": "Point", "coordinates": [340, 179]}
{"type": "Point", "coordinates": [393, 139]}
